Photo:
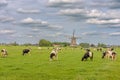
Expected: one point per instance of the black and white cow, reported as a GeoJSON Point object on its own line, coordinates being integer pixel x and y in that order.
{"type": "Point", "coordinates": [4, 53]}
{"type": "Point", "coordinates": [109, 54]}
{"type": "Point", "coordinates": [26, 51]}
{"type": "Point", "coordinates": [87, 55]}
{"type": "Point", "coordinates": [54, 54]}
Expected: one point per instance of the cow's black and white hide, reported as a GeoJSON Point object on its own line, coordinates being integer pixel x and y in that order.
{"type": "Point", "coordinates": [109, 55]}
{"type": "Point", "coordinates": [4, 53]}
{"type": "Point", "coordinates": [54, 54]}
{"type": "Point", "coordinates": [26, 51]}
{"type": "Point", "coordinates": [87, 55]}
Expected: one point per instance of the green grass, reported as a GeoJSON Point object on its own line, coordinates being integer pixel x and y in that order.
{"type": "Point", "coordinates": [68, 66]}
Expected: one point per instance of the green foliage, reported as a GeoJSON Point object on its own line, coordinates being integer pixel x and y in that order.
{"type": "Point", "coordinates": [13, 44]}
{"type": "Point", "coordinates": [44, 42]}
{"type": "Point", "coordinates": [27, 44]}
{"type": "Point", "coordinates": [102, 45]}
{"type": "Point", "coordinates": [85, 45]}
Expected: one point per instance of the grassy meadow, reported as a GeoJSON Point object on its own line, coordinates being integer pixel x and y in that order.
{"type": "Point", "coordinates": [68, 66]}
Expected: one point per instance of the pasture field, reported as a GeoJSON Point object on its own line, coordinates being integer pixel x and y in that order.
{"type": "Point", "coordinates": [68, 66]}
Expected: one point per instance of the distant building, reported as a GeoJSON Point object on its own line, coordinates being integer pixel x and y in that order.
{"type": "Point", "coordinates": [73, 40]}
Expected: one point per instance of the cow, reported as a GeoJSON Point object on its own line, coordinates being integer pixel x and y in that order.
{"type": "Point", "coordinates": [4, 53]}
{"type": "Point", "coordinates": [87, 55]}
{"type": "Point", "coordinates": [99, 49]}
{"type": "Point", "coordinates": [26, 51]}
{"type": "Point", "coordinates": [109, 54]}
{"type": "Point", "coordinates": [54, 54]}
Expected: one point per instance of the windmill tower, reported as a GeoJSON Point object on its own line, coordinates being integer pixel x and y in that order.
{"type": "Point", "coordinates": [73, 39]}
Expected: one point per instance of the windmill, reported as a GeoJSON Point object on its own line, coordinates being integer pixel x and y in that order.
{"type": "Point", "coordinates": [73, 39]}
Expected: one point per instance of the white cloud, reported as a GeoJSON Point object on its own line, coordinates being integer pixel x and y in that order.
{"type": "Point", "coordinates": [115, 34]}
{"type": "Point", "coordinates": [6, 19]}
{"type": "Point", "coordinates": [55, 34]}
{"type": "Point", "coordinates": [21, 10]}
{"type": "Point", "coordinates": [27, 20]}
{"type": "Point", "coordinates": [94, 33]}
{"type": "Point", "coordinates": [39, 23]}
{"type": "Point", "coordinates": [97, 21]}
{"type": "Point", "coordinates": [91, 13]}
{"type": "Point", "coordinates": [3, 3]}
{"type": "Point", "coordinates": [7, 31]}
{"type": "Point", "coordinates": [72, 11]}
{"type": "Point", "coordinates": [55, 27]}
{"type": "Point", "coordinates": [32, 21]}
{"type": "Point", "coordinates": [112, 4]}
{"type": "Point", "coordinates": [62, 1]}
{"type": "Point", "coordinates": [112, 14]}
{"type": "Point", "coordinates": [94, 13]}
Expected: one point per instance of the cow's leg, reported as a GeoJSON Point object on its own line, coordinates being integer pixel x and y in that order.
{"type": "Point", "coordinates": [91, 58]}
{"type": "Point", "coordinates": [52, 55]}
{"type": "Point", "coordinates": [23, 53]}
{"type": "Point", "coordinates": [82, 59]}
{"type": "Point", "coordinates": [56, 57]}
{"type": "Point", "coordinates": [29, 53]}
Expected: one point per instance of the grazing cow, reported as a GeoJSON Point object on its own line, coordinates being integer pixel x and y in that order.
{"type": "Point", "coordinates": [54, 54]}
{"type": "Point", "coordinates": [26, 51]}
{"type": "Point", "coordinates": [87, 55]}
{"type": "Point", "coordinates": [4, 53]}
{"type": "Point", "coordinates": [99, 49]}
{"type": "Point", "coordinates": [109, 54]}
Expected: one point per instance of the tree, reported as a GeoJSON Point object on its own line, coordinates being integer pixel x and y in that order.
{"type": "Point", "coordinates": [44, 42]}
{"type": "Point", "coordinates": [27, 44]}
{"type": "Point", "coordinates": [14, 44]}
{"type": "Point", "coordinates": [92, 45]}
{"type": "Point", "coordinates": [102, 45]}
{"type": "Point", "coordinates": [85, 45]}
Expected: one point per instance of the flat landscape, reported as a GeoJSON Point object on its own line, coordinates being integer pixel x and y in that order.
{"type": "Point", "coordinates": [68, 66]}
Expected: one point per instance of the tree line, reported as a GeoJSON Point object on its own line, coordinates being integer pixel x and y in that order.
{"type": "Point", "coordinates": [47, 43]}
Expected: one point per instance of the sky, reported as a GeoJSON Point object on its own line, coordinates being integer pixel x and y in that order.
{"type": "Point", "coordinates": [28, 21]}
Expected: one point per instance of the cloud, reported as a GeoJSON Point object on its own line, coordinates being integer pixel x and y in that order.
{"type": "Point", "coordinates": [98, 21]}
{"type": "Point", "coordinates": [54, 35]}
{"type": "Point", "coordinates": [112, 4]}
{"type": "Point", "coordinates": [27, 11]}
{"type": "Point", "coordinates": [85, 13]}
{"type": "Point", "coordinates": [90, 13]}
{"type": "Point", "coordinates": [6, 19]}
{"type": "Point", "coordinates": [114, 26]}
{"type": "Point", "coordinates": [3, 3]}
{"type": "Point", "coordinates": [73, 12]}
{"type": "Point", "coordinates": [115, 34]}
{"type": "Point", "coordinates": [7, 32]}
{"type": "Point", "coordinates": [39, 23]}
{"type": "Point", "coordinates": [93, 33]}
{"type": "Point", "coordinates": [63, 3]}
{"type": "Point", "coordinates": [32, 21]}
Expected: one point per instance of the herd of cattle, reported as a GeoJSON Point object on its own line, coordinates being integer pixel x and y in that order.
{"type": "Point", "coordinates": [109, 54]}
